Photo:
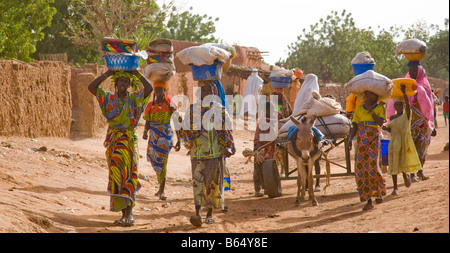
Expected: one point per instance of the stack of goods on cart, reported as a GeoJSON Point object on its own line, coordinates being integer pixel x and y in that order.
{"type": "Point", "coordinates": [310, 103]}
{"type": "Point", "coordinates": [206, 61]}
{"type": "Point", "coordinates": [121, 54]}
{"type": "Point", "coordinates": [362, 62]}
{"type": "Point", "coordinates": [370, 81]}
{"type": "Point", "coordinates": [160, 66]}
{"type": "Point", "coordinates": [412, 49]}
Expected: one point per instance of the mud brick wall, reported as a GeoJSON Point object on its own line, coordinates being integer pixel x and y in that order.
{"type": "Point", "coordinates": [36, 98]}
{"type": "Point", "coordinates": [87, 116]}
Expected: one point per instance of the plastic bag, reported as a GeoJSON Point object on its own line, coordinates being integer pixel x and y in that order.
{"type": "Point", "coordinates": [203, 55]}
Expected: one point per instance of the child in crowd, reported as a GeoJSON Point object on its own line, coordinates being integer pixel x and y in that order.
{"type": "Point", "coordinates": [403, 156]}
{"type": "Point", "coordinates": [446, 109]}
{"type": "Point", "coordinates": [367, 120]}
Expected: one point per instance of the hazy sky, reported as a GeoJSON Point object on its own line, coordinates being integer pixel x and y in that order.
{"type": "Point", "coordinates": [272, 25]}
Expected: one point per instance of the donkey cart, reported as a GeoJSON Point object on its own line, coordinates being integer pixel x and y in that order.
{"type": "Point", "coordinates": [270, 172]}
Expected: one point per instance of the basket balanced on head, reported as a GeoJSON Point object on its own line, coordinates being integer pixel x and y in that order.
{"type": "Point", "coordinates": [412, 49]}
{"type": "Point", "coordinates": [122, 62]}
{"type": "Point", "coordinates": [120, 54]}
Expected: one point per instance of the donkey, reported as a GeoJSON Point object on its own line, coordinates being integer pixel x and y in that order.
{"type": "Point", "coordinates": [305, 150]}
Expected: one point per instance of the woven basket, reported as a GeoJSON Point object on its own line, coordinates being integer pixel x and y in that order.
{"type": "Point", "coordinates": [122, 62]}
{"type": "Point", "coordinates": [118, 46]}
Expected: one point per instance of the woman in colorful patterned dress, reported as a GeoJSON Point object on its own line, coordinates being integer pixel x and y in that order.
{"type": "Point", "coordinates": [122, 110]}
{"type": "Point", "coordinates": [422, 121]}
{"type": "Point", "coordinates": [207, 134]}
{"type": "Point", "coordinates": [367, 120]}
{"type": "Point", "coordinates": [157, 115]}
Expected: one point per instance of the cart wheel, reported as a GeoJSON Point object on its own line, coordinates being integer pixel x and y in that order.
{"type": "Point", "coordinates": [271, 179]}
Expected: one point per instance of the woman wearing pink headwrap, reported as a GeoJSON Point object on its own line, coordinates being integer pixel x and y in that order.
{"type": "Point", "coordinates": [422, 120]}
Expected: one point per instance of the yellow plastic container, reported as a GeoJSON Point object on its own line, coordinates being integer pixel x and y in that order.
{"type": "Point", "coordinates": [415, 57]}
{"type": "Point", "coordinates": [411, 88]}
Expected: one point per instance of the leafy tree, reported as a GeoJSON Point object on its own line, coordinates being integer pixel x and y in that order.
{"type": "Point", "coordinates": [436, 61]}
{"type": "Point", "coordinates": [190, 27]}
{"type": "Point", "coordinates": [56, 41]}
{"type": "Point", "coordinates": [330, 45]}
{"type": "Point", "coordinates": [21, 24]}
{"type": "Point", "coordinates": [111, 18]}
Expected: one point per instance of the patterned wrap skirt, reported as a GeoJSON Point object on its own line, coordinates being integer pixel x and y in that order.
{"type": "Point", "coordinates": [208, 183]}
{"type": "Point", "coordinates": [121, 155]}
{"type": "Point", "coordinates": [368, 175]}
{"type": "Point", "coordinates": [160, 142]}
{"type": "Point", "coordinates": [420, 133]}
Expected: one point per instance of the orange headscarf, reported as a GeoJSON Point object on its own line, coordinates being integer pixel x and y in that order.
{"type": "Point", "coordinates": [160, 84]}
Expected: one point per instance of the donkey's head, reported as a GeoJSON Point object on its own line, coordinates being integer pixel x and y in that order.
{"type": "Point", "coordinates": [305, 136]}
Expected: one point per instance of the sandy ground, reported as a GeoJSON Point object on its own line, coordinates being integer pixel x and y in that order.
{"type": "Point", "coordinates": [63, 190]}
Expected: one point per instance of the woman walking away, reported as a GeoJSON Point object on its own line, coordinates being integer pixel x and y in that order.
{"type": "Point", "coordinates": [402, 152]}
{"type": "Point", "coordinates": [207, 134]}
{"type": "Point", "coordinates": [367, 120]}
{"type": "Point", "coordinates": [122, 110]}
{"type": "Point", "coordinates": [422, 120]}
{"type": "Point", "coordinates": [157, 115]}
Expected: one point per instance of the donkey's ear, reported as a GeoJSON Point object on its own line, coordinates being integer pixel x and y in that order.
{"type": "Point", "coordinates": [312, 121]}
{"type": "Point", "coordinates": [295, 121]}
{"type": "Point", "coordinates": [303, 119]}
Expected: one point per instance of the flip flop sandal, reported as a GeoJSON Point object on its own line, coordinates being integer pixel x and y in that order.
{"type": "Point", "coordinates": [128, 223]}
{"type": "Point", "coordinates": [119, 222]}
{"type": "Point", "coordinates": [209, 220]}
{"type": "Point", "coordinates": [196, 221]}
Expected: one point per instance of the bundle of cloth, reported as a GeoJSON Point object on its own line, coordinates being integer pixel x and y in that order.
{"type": "Point", "coordinates": [411, 46]}
{"type": "Point", "coordinates": [205, 54]}
{"type": "Point", "coordinates": [362, 57]}
{"type": "Point", "coordinates": [310, 103]}
{"type": "Point", "coordinates": [160, 66]}
{"type": "Point", "coordinates": [414, 50]}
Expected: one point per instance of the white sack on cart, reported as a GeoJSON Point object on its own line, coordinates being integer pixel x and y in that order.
{"type": "Point", "coordinates": [337, 124]}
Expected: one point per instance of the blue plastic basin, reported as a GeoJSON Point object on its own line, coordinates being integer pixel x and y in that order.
{"type": "Point", "coordinates": [207, 72]}
{"type": "Point", "coordinates": [360, 68]}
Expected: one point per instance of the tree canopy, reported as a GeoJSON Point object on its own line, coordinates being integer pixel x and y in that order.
{"type": "Point", "coordinates": [329, 46]}
{"type": "Point", "coordinates": [21, 24]}
{"type": "Point", "coordinates": [190, 27]}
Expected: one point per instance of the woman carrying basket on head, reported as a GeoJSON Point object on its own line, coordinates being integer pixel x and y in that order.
{"type": "Point", "coordinates": [122, 110]}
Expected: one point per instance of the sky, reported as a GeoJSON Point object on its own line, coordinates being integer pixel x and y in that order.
{"type": "Point", "coordinates": [272, 25]}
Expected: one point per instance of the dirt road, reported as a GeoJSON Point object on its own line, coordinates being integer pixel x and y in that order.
{"type": "Point", "coordinates": [59, 185]}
